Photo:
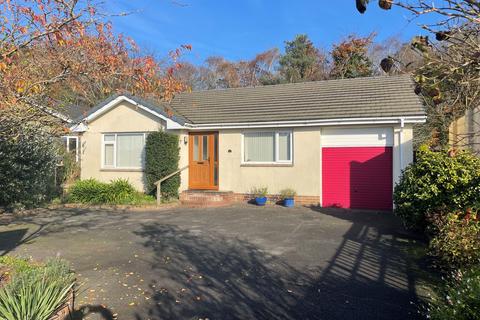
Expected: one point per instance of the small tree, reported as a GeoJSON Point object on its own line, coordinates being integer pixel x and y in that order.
{"type": "Point", "coordinates": [350, 58]}
{"type": "Point", "coordinates": [302, 61]}
{"type": "Point", "coordinates": [221, 73]}
{"type": "Point", "coordinates": [27, 166]}
{"type": "Point", "coordinates": [161, 159]}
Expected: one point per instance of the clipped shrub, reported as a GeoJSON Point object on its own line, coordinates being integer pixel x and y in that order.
{"type": "Point", "coordinates": [35, 292]}
{"type": "Point", "coordinates": [436, 180]}
{"type": "Point", "coordinates": [459, 299]}
{"type": "Point", "coordinates": [161, 159]}
{"type": "Point", "coordinates": [27, 165]}
{"type": "Point", "coordinates": [456, 240]}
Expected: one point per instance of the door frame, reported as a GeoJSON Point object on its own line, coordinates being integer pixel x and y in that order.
{"type": "Point", "coordinates": [211, 144]}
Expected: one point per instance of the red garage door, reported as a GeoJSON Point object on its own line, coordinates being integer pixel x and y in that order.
{"type": "Point", "coordinates": [357, 177]}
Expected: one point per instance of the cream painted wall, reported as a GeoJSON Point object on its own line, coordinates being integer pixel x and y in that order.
{"type": "Point", "coordinates": [183, 137]}
{"type": "Point", "coordinates": [402, 150]}
{"type": "Point", "coordinates": [123, 118]}
{"type": "Point", "coordinates": [303, 175]}
{"type": "Point", "coordinates": [357, 136]}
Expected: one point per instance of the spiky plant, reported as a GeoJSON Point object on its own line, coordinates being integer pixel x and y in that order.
{"type": "Point", "coordinates": [36, 293]}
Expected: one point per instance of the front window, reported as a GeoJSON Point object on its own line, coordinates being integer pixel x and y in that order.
{"type": "Point", "coordinates": [123, 150]}
{"type": "Point", "coordinates": [267, 147]}
{"type": "Point", "coordinates": [284, 146]}
{"type": "Point", "coordinates": [71, 145]}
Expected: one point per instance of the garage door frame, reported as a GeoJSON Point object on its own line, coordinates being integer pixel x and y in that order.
{"type": "Point", "coordinates": [378, 136]}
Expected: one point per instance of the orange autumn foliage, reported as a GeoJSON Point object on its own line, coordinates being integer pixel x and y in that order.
{"type": "Point", "coordinates": [55, 52]}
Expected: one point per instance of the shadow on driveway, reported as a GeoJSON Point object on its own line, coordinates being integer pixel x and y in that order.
{"type": "Point", "coordinates": [230, 263]}
{"type": "Point", "coordinates": [45, 222]}
{"type": "Point", "coordinates": [10, 239]}
{"type": "Point", "coordinates": [216, 277]}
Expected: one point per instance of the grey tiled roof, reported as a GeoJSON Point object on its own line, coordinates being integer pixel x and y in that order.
{"type": "Point", "coordinates": [73, 112]}
{"type": "Point", "coordinates": [385, 96]}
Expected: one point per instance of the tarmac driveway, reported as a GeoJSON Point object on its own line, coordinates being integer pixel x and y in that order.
{"type": "Point", "coordinates": [243, 262]}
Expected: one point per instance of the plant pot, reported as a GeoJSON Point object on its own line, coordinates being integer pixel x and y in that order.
{"type": "Point", "coordinates": [289, 202]}
{"type": "Point", "coordinates": [65, 311]}
{"type": "Point", "coordinates": [260, 201]}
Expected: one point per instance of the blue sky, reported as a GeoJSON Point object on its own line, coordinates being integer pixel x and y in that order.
{"type": "Point", "coordinates": [240, 29]}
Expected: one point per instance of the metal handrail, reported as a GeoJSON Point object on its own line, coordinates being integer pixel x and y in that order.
{"type": "Point", "coordinates": [159, 182]}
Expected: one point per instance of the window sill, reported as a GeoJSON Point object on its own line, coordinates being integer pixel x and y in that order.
{"type": "Point", "coordinates": [266, 165]}
{"type": "Point", "coordinates": [121, 170]}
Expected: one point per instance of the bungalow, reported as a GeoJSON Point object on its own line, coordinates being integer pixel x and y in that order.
{"type": "Point", "coordinates": [337, 143]}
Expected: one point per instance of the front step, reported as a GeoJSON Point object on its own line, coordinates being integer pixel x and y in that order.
{"type": "Point", "coordinates": [206, 198]}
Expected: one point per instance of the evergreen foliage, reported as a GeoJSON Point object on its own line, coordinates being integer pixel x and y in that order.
{"type": "Point", "coordinates": [162, 156]}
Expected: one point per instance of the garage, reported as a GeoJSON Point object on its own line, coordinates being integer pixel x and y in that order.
{"type": "Point", "coordinates": [357, 168]}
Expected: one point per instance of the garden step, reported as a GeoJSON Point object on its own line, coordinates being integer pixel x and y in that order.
{"type": "Point", "coordinates": [206, 198]}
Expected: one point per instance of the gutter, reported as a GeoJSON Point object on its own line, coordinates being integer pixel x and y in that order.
{"type": "Point", "coordinates": [400, 142]}
{"type": "Point", "coordinates": [308, 123]}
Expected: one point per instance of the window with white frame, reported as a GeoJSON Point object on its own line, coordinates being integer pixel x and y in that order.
{"type": "Point", "coordinates": [123, 150]}
{"type": "Point", "coordinates": [71, 145]}
{"type": "Point", "coordinates": [267, 147]}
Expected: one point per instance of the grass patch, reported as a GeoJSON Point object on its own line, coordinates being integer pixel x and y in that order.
{"type": "Point", "coordinates": [16, 265]}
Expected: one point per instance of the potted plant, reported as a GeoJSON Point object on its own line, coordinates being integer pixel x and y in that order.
{"type": "Point", "coordinates": [260, 195]}
{"type": "Point", "coordinates": [288, 196]}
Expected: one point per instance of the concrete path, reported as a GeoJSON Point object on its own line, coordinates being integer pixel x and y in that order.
{"type": "Point", "coordinates": [243, 262]}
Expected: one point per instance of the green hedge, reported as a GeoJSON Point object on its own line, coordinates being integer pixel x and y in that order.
{"type": "Point", "coordinates": [162, 156]}
{"type": "Point", "coordinates": [438, 179]}
{"type": "Point", "coordinates": [27, 165]}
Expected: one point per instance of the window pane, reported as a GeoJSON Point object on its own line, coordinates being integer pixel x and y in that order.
{"type": "Point", "coordinates": [205, 148]}
{"type": "Point", "coordinates": [130, 150]}
{"type": "Point", "coordinates": [260, 146]}
{"type": "Point", "coordinates": [64, 141]}
{"type": "Point", "coordinates": [108, 155]}
{"type": "Point", "coordinates": [109, 137]}
{"type": "Point", "coordinates": [284, 145]}
{"type": "Point", "coordinates": [195, 148]}
{"type": "Point", "coordinates": [72, 145]}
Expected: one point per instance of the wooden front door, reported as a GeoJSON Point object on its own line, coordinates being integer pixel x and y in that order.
{"type": "Point", "coordinates": [203, 160]}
